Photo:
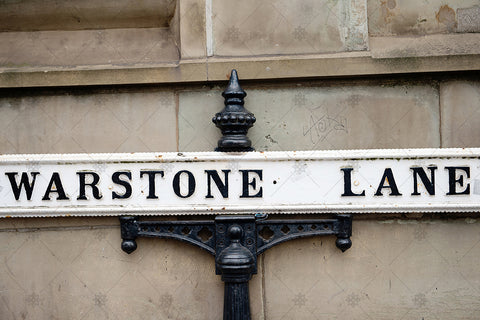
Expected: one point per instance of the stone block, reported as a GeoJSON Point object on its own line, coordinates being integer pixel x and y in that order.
{"type": "Point", "coordinates": [412, 17]}
{"type": "Point", "coordinates": [85, 122]}
{"type": "Point", "coordinates": [460, 113]}
{"type": "Point", "coordinates": [196, 131]}
{"type": "Point", "coordinates": [35, 15]}
{"type": "Point", "coordinates": [192, 29]}
{"type": "Point", "coordinates": [468, 19]}
{"type": "Point", "coordinates": [393, 269]}
{"type": "Point", "coordinates": [431, 45]}
{"type": "Point", "coordinates": [81, 273]}
{"type": "Point", "coordinates": [286, 27]}
{"type": "Point", "coordinates": [320, 117]}
{"type": "Point", "coordinates": [104, 47]}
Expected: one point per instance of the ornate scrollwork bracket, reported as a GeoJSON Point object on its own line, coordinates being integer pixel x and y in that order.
{"type": "Point", "coordinates": [235, 242]}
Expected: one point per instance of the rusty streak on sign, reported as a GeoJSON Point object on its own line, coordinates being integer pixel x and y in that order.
{"type": "Point", "coordinates": [354, 181]}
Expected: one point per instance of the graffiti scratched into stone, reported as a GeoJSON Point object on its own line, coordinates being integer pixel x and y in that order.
{"type": "Point", "coordinates": [319, 128]}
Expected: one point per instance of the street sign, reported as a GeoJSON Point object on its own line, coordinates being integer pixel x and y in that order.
{"type": "Point", "coordinates": [353, 181]}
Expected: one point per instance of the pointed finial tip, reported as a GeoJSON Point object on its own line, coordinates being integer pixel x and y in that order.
{"type": "Point", "coordinates": [234, 86]}
{"type": "Point", "coordinates": [233, 76]}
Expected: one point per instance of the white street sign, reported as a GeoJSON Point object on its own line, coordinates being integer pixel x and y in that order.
{"type": "Point", "coordinates": [353, 181]}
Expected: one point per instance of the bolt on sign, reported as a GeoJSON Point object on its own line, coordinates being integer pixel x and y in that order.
{"type": "Point", "coordinates": [354, 181]}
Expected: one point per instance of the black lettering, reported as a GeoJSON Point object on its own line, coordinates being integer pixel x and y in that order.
{"type": "Point", "coordinates": [95, 192]}
{"type": "Point", "coordinates": [24, 183]}
{"type": "Point", "coordinates": [55, 186]}
{"type": "Point", "coordinates": [128, 188]}
{"type": "Point", "coordinates": [347, 184]}
{"type": "Point", "coordinates": [151, 182]}
{"type": "Point", "coordinates": [453, 181]}
{"type": "Point", "coordinates": [222, 187]}
{"type": "Point", "coordinates": [388, 178]}
{"type": "Point", "coordinates": [246, 183]}
{"type": "Point", "coordinates": [428, 183]}
{"type": "Point", "coordinates": [191, 184]}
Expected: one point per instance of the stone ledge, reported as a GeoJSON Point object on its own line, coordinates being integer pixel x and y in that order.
{"type": "Point", "coordinates": [425, 46]}
{"type": "Point", "coordinates": [34, 15]}
{"type": "Point", "coordinates": [96, 223]}
{"type": "Point", "coordinates": [251, 68]}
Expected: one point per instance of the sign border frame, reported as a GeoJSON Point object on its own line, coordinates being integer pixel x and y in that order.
{"type": "Point", "coordinates": [315, 155]}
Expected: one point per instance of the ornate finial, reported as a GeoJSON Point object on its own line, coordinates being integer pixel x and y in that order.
{"type": "Point", "coordinates": [234, 120]}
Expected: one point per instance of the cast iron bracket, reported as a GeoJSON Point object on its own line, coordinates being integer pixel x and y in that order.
{"type": "Point", "coordinates": [258, 235]}
{"type": "Point", "coordinates": [235, 241]}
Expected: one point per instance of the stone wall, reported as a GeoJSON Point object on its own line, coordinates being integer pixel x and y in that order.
{"type": "Point", "coordinates": [319, 75]}
{"type": "Point", "coordinates": [74, 269]}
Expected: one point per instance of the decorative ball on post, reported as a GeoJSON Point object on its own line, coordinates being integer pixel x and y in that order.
{"type": "Point", "coordinates": [234, 120]}
{"type": "Point", "coordinates": [129, 246]}
{"type": "Point", "coordinates": [343, 243]}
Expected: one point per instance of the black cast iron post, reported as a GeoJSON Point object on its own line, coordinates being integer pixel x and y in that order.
{"type": "Point", "coordinates": [236, 262]}
{"type": "Point", "coordinates": [236, 240]}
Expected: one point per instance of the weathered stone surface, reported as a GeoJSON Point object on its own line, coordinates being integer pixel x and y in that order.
{"type": "Point", "coordinates": [196, 131]}
{"type": "Point", "coordinates": [430, 45]}
{"type": "Point", "coordinates": [105, 47]}
{"type": "Point", "coordinates": [81, 273]}
{"type": "Point", "coordinates": [412, 17]}
{"type": "Point", "coordinates": [393, 270]}
{"type": "Point", "coordinates": [460, 113]}
{"type": "Point", "coordinates": [287, 27]}
{"type": "Point", "coordinates": [192, 29]}
{"type": "Point", "coordinates": [80, 122]}
{"type": "Point", "coordinates": [468, 19]}
{"type": "Point", "coordinates": [16, 224]}
{"type": "Point", "coordinates": [344, 64]}
{"type": "Point", "coordinates": [86, 275]}
{"type": "Point", "coordinates": [33, 15]}
{"type": "Point", "coordinates": [309, 118]}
